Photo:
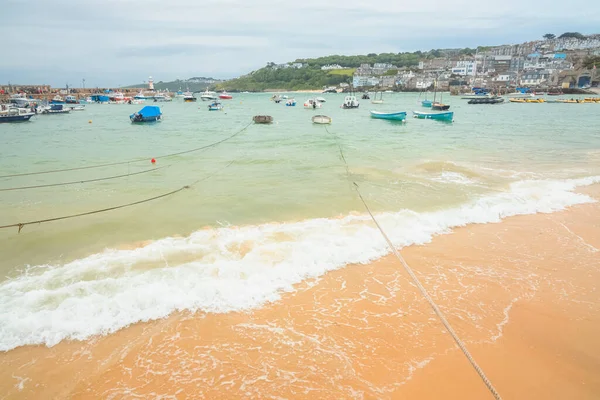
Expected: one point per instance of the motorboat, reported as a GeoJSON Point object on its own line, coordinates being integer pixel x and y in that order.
{"type": "Point", "coordinates": [55, 109]}
{"type": "Point", "coordinates": [350, 102]}
{"type": "Point", "coordinates": [225, 96]}
{"type": "Point", "coordinates": [146, 114]}
{"type": "Point", "coordinates": [20, 101]}
{"type": "Point", "coordinates": [188, 97]}
{"type": "Point", "coordinates": [215, 106]}
{"type": "Point", "coordinates": [71, 99]}
{"type": "Point", "coordinates": [142, 96]}
{"type": "Point", "coordinates": [320, 99]}
{"type": "Point", "coordinates": [394, 116]}
{"type": "Point", "coordinates": [73, 107]}
{"type": "Point", "coordinates": [87, 100]}
{"type": "Point", "coordinates": [312, 104]}
{"type": "Point", "coordinates": [161, 97]}
{"type": "Point", "coordinates": [57, 100]}
{"type": "Point", "coordinates": [179, 93]}
{"type": "Point", "coordinates": [14, 114]}
{"type": "Point", "coordinates": [439, 116]}
{"type": "Point", "coordinates": [276, 98]}
{"type": "Point", "coordinates": [487, 100]}
{"type": "Point", "coordinates": [208, 96]}
{"type": "Point", "coordinates": [330, 90]}
{"type": "Point", "coordinates": [321, 119]}
{"type": "Point", "coordinates": [290, 103]}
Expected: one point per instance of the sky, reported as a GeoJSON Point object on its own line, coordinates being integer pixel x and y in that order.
{"type": "Point", "coordinates": [111, 43]}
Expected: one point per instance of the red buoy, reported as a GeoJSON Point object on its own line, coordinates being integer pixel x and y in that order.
{"type": "Point", "coordinates": [153, 161]}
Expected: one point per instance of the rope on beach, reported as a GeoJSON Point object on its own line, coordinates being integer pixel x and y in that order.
{"type": "Point", "coordinates": [83, 181]}
{"type": "Point", "coordinates": [20, 225]}
{"type": "Point", "coordinates": [422, 289]}
{"type": "Point", "coordinates": [133, 160]}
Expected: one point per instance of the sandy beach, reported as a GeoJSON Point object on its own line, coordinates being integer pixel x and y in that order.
{"type": "Point", "coordinates": [522, 294]}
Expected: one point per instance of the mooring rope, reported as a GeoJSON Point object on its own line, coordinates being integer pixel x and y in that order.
{"type": "Point", "coordinates": [83, 181]}
{"type": "Point", "coordinates": [422, 289]}
{"type": "Point", "coordinates": [20, 225]}
{"type": "Point", "coordinates": [133, 160]}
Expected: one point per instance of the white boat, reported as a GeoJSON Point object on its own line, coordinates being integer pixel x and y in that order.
{"type": "Point", "coordinates": [160, 97]}
{"type": "Point", "coordinates": [75, 107]}
{"type": "Point", "coordinates": [208, 96]}
{"type": "Point", "coordinates": [377, 100]}
{"type": "Point", "coordinates": [389, 91]}
{"type": "Point", "coordinates": [88, 100]}
{"type": "Point", "coordinates": [520, 95]}
{"type": "Point", "coordinates": [312, 104]}
{"type": "Point", "coordinates": [20, 101]}
{"type": "Point", "coordinates": [476, 96]}
{"type": "Point", "coordinates": [9, 113]}
{"type": "Point", "coordinates": [320, 99]}
{"type": "Point", "coordinates": [350, 102]}
{"type": "Point", "coordinates": [188, 97]}
{"type": "Point", "coordinates": [321, 119]}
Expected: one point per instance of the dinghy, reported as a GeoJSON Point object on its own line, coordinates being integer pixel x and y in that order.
{"type": "Point", "coordinates": [321, 119]}
{"type": "Point", "coordinates": [396, 116]}
{"type": "Point", "coordinates": [439, 116]}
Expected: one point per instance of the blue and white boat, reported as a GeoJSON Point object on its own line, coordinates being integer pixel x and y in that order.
{"type": "Point", "coordinates": [55, 109]}
{"type": "Point", "coordinates": [57, 100]}
{"type": "Point", "coordinates": [439, 116]}
{"type": "Point", "coordinates": [395, 116]}
{"type": "Point", "coordinates": [70, 99]}
{"type": "Point", "coordinates": [142, 96]}
{"type": "Point", "coordinates": [215, 106]}
{"type": "Point", "coordinates": [15, 114]}
{"type": "Point", "coordinates": [99, 98]}
{"type": "Point", "coordinates": [146, 114]}
{"type": "Point", "coordinates": [290, 103]}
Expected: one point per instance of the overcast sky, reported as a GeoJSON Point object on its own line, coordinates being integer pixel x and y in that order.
{"type": "Point", "coordinates": [121, 42]}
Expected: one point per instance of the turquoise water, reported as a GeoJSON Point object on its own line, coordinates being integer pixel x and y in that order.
{"type": "Point", "coordinates": [282, 199]}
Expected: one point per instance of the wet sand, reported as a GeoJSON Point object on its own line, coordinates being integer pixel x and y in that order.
{"type": "Point", "coordinates": [522, 294]}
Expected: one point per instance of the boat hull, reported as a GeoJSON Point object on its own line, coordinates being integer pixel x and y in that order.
{"type": "Point", "coordinates": [399, 116]}
{"type": "Point", "coordinates": [16, 118]}
{"type": "Point", "coordinates": [440, 107]}
{"type": "Point", "coordinates": [439, 116]}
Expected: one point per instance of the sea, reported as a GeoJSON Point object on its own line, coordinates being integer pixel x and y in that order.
{"type": "Point", "coordinates": [264, 209]}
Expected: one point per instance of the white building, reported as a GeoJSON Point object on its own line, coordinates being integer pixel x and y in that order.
{"type": "Point", "coordinates": [362, 80]}
{"type": "Point", "coordinates": [465, 68]}
{"type": "Point", "coordinates": [329, 67]}
{"type": "Point", "coordinates": [423, 83]}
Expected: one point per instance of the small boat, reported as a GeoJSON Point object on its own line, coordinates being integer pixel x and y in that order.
{"type": "Point", "coordinates": [320, 99]}
{"type": "Point", "coordinates": [160, 97]}
{"type": "Point", "coordinates": [439, 106]}
{"type": "Point", "coordinates": [427, 103]}
{"type": "Point", "coordinates": [439, 116]}
{"type": "Point", "coordinates": [215, 106]}
{"type": "Point", "coordinates": [312, 104]}
{"type": "Point", "coordinates": [14, 114]}
{"type": "Point", "coordinates": [330, 90]}
{"type": "Point", "coordinates": [487, 100]}
{"type": "Point", "coordinates": [57, 100]}
{"type": "Point", "coordinates": [321, 119]}
{"type": "Point", "coordinates": [55, 109]}
{"type": "Point", "coordinates": [285, 97]}
{"type": "Point", "coordinates": [147, 114]}
{"type": "Point", "coordinates": [180, 93]}
{"type": "Point", "coordinates": [87, 100]}
{"type": "Point", "coordinates": [262, 119]}
{"type": "Point", "coordinates": [19, 100]}
{"type": "Point", "coordinates": [188, 97]}
{"type": "Point", "coordinates": [350, 102]}
{"type": "Point", "coordinates": [290, 103]}
{"type": "Point", "coordinates": [376, 100]}
{"type": "Point", "coordinates": [142, 96]}
{"type": "Point", "coordinates": [71, 99]}
{"type": "Point", "coordinates": [276, 98]}
{"type": "Point", "coordinates": [225, 96]}
{"type": "Point", "coordinates": [208, 96]}
{"type": "Point", "coordinates": [395, 116]}
{"type": "Point", "coordinates": [76, 107]}
{"type": "Point", "coordinates": [389, 91]}
{"type": "Point", "coordinates": [365, 96]}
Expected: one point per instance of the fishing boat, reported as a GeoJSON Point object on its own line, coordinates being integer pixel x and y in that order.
{"type": "Point", "coordinates": [262, 119]}
{"type": "Point", "coordinates": [290, 103]}
{"type": "Point", "coordinates": [487, 100]}
{"type": "Point", "coordinates": [438, 116]}
{"type": "Point", "coordinates": [378, 100]}
{"type": "Point", "coordinates": [55, 109]}
{"type": "Point", "coordinates": [14, 114]}
{"type": "Point", "coordinates": [147, 114]}
{"type": "Point", "coordinates": [312, 104]}
{"type": "Point", "coordinates": [161, 97]}
{"type": "Point", "coordinates": [208, 96]}
{"type": "Point", "coordinates": [215, 106]}
{"type": "Point", "coordinates": [395, 116]}
{"type": "Point", "coordinates": [57, 100]}
{"type": "Point", "coordinates": [321, 119]}
{"type": "Point", "coordinates": [225, 96]}
{"type": "Point", "coordinates": [71, 99]}
{"type": "Point", "coordinates": [350, 102]}
{"type": "Point", "coordinates": [188, 97]}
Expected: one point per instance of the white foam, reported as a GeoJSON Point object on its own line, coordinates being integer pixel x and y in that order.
{"type": "Point", "coordinates": [230, 268]}
{"type": "Point", "coordinates": [453, 177]}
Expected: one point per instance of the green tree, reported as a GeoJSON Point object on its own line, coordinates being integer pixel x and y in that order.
{"type": "Point", "coordinates": [549, 36]}
{"type": "Point", "coordinates": [575, 35]}
{"type": "Point", "coordinates": [590, 62]}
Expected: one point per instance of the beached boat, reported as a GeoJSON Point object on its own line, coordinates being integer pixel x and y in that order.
{"type": "Point", "coordinates": [215, 106]}
{"type": "Point", "coordinates": [188, 97]}
{"type": "Point", "coordinates": [262, 119]}
{"type": "Point", "coordinates": [290, 103]}
{"type": "Point", "coordinates": [350, 102]}
{"type": "Point", "coordinates": [208, 95]}
{"type": "Point", "coordinates": [57, 100]}
{"type": "Point", "coordinates": [312, 104]}
{"type": "Point", "coordinates": [225, 96]}
{"type": "Point", "coordinates": [439, 116]}
{"type": "Point", "coordinates": [395, 116]}
{"type": "Point", "coordinates": [321, 119]}
{"type": "Point", "coordinates": [378, 100]}
{"type": "Point", "coordinates": [147, 114]}
{"type": "Point", "coordinates": [15, 114]}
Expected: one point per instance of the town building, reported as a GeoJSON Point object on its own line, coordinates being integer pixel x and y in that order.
{"type": "Point", "coordinates": [329, 67]}
{"type": "Point", "coordinates": [363, 80]}
{"type": "Point", "coordinates": [464, 68]}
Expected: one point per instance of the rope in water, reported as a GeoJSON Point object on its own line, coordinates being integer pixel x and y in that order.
{"type": "Point", "coordinates": [422, 289]}
{"type": "Point", "coordinates": [133, 160]}
{"type": "Point", "coordinates": [20, 225]}
{"type": "Point", "coordinates": [83, 181]}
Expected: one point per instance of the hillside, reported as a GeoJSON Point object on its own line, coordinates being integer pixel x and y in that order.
{"type": "Point", "coordinates": [195, 84]}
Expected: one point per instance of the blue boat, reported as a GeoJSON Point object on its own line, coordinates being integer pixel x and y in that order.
{"type": "Point", "coordinates": [13, 114]}
{"type": "Point", "coordinates": [147, 114]}
{"type": "Point", "coordinates": [439, 116]}
{"type": "Point", "coordinates": [290, 103]}
{"type": "Point", "coordinates": [397, 116]}
{"type": "Point", "coordinates": [100, 98]}
{"type": "Point", "coordinates": [427, 103]}
{"type": "Point", "coordinates": [215, 106]}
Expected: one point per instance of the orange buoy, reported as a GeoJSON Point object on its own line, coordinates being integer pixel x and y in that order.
{"type": "Point", "coordinates": [153, 161]}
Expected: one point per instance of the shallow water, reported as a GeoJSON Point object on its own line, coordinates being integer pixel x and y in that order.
{"type": "Point", "coordinates": [281, 213]}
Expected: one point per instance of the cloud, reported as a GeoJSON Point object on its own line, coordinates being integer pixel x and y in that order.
{"type": "Point", "coordinates": [111, 42]}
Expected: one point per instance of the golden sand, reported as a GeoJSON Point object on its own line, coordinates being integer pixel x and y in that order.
{"type": "Point", "coordinates": [522, 294]}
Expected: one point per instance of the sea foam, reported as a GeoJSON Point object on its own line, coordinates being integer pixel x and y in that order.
{"type": "Point", "coordinates": [232, 268]}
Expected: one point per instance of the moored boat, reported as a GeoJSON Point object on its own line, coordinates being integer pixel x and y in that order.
{"type": "Point", "coordinates": [208, 95]}
{"type": "Point", "coordinates": [438, 116]}
{"type": "Point", "coordinates": [312, 104]}
{"type": "Point", "coordinates": [188, 97]}
{"type": "Point", "coordinates": [290, 103]}
{"type": "Point", "coordinates": [378, 100]}
{"type": "Point", "coordinates": [321, 119]}
{"type": "Point", "coordinates": [427, 103]}
{"type": "Point", "coordinates": [262, 119]}
{"type": "Point", "coordinates": [487, 100]}
{"type": "Point", "coordinates": [320, 99]}
{"type": "Point", "coordinates": [161, 97]}
{"type": "Point", "coordinates": [14, 114]}
{"type": "Point", "coordinates": [439, 106]}
{"type": "Point", "coordinates": [147, 114]}
{"type": "Point", "coordinates": [57, 100]}
{"type": "Point", "coordinates": [350, 102]}
{"type": "Point", "coordinates": [215, 106]}
{"type": "Point", "coordinates": [55, 109]}
{"type": "Point", "coordinates": [225, 96]}
{"type": "Point", "coordinates": [71, 99]}
{"type": "Point", "coordinates": [395, 116]}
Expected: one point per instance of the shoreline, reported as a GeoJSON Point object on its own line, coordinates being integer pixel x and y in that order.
{"type": "Point", "coordinates": [503, 286]}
